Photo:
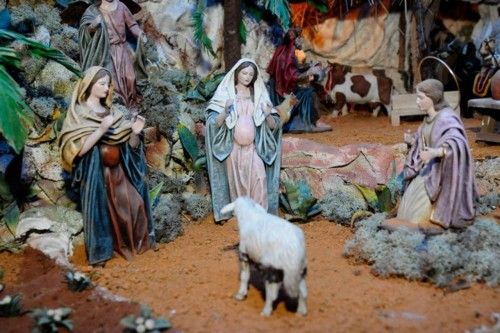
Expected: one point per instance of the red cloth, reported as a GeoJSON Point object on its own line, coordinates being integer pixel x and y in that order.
{"type": "Point", "coordinates": [283, 68]}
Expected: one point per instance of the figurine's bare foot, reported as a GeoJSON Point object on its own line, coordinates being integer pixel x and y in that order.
{"type": "Point", "coordinates": [397, 224]}
{"type": "Point", "coordinates": [430, 228]}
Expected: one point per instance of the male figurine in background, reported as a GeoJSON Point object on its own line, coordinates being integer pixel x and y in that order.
{"type": "Point", "coordinates": [288, 77]}
{"type": "Point", "coordinates": [102, 36]}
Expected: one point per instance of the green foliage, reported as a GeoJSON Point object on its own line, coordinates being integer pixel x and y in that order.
{"type": "Point", "coordinates": [205, 89]}
{"type": "Point", "coordinates": [42, 51]}
{"type": "Point", "coordinates": [188, 141]}
{"type": "Point", "coordinates": [154, 193]}
{"type": "Point", "coordinates": [10, 306]}
{"type": "Point", "coordinates": [11, 217]}
{"type": "Point", "coordinates": [253, 9]}
{"type": "Point", "coordinates": [298, 202]}
{"type": "Point", "coordinates": [370, 196]}
{"type": "Point", "coordinates": [243, 32]}
{"type": "Point", "coordinates": [49, 320]}
{"type": "Point", "coordinates": [384, 198]}
{"type": "Point", "coordinates": [280, 9]}
{"type": "Point", "coordinates": [77, 281]}
{"type": "Point", "coordinates": [145, 322]}
{"type": "Point", "coordinates": [16, 116]}
{"type": "Point", "coordinates": [319, 5]}
{"type": "Point", "coordinates": [379, 199]}
{"type": "Point", "coordinates": [199, 32]}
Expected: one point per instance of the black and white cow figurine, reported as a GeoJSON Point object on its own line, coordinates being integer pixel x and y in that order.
{"type": "Point", "coordinates": [344, 87]}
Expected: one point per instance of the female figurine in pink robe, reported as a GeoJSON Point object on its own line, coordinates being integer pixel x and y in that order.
{"type": "Point", "coordinates": [243, 140]}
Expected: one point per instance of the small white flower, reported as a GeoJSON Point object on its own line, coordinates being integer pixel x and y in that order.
{"type": "Point", "coordinates": [150, 324]}
{"type": "Point", "coordinates": [58, 312]}
{"type": "Point", "coordinates": [50, 312]}
{"type": "Point", "coordinates": [57, 317]}
{"type": "Point", "coordinates": [140, 328]}
{"type": "Point", "coordinates": [6, 300]}
{"type": "Point", "coordinates": [139, 320]}
{"type": "Point", "coordinates": [79, 276]}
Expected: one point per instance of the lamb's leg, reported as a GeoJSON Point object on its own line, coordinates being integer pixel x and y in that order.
{"type": "Point", "coordinates": [376, 111]}
{"type": "Point", "coordinates": [244, 277]}
{"type": "Point", "coordinates": [302, 307]}
{"type": "Point", "coordinates": [273, 278]}
{"type": "Point", "coordinates": [272, 289]}
{"type": "Point", "coordinates": [344, 110]}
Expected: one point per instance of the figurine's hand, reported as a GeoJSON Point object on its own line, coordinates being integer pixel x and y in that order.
{"type": "Point", "coordinates": [228, 108]}
{"type": "Point", "coordinates": [144, 38]}
{"type": "Point", "coordinates": [409, 138]}
{"type": "Point", "coordinates": [106, 123]}
{"type": "Point", "coordinates": [429, 153]}
{"type": "Point", "coordinates": [97, 21]}
{"type": "Point", "coordinates": [268, 108]}
{"type": "Point", "coordinates": [138, 125]}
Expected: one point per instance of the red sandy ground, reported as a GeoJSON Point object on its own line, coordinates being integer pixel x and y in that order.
{"type": "Point", "coordinates": [191, 280]}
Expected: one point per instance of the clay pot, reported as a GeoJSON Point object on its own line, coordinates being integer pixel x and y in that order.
{"type": "Point", "coordinates": [495, 85]}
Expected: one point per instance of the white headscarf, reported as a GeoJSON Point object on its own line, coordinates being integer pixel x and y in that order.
{"type": "Point", "coordinates": [226, 90]}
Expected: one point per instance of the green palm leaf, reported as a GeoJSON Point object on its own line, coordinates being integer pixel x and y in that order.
{"type": "Point", "coordinates": [280, 9]}
{"type": "Point", "coordinates": [199, 32]}
{"type": "Point", "coordinates": [16, 116]}
{"type": "Point", "coordinates": [243, 32]}
{"type": "Point", "coordinates": [39, 50]}
{"type": "Point", "coordinates": [319, 5]}
{"type": "Point", "coordinates": [9, 57]}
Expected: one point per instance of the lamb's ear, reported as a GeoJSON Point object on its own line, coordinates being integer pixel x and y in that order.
{"type": "Point", "coordinates": [227, 208]}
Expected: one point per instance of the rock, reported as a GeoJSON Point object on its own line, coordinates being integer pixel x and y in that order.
{"type": "Point", "coordinates": [364, 164]}
{"type": "Point", "coordinates": [57, 78]}
{"type": "Point", "coordinates": [50, 190]}
{"type": "Point", "coordinates": [43, 161]}
{"type": "Point", "coordinates": [56, 246]}
{"type": "Point", "coordinates": [157, 152]}
{"type": "Point", "coordinates": [51, 230]}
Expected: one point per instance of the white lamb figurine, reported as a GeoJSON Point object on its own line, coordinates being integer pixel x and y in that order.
{"type": "Point", "coordinates": [276, 246]}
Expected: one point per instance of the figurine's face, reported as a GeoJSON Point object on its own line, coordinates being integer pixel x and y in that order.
{"type": "Point", "coordinates": [424, 103]}
{"type": "Point", "coordinates": [245, 76]}
{"type": "Point", "coordinates": [101, 87]}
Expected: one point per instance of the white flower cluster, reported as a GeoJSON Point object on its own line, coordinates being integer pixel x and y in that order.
{"type": "Point", "coordinates": [56, 314]}
{"type": "Point", "coordinates": [144, 325]}
{"type": "Point", "coordinates": [6, 300]}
